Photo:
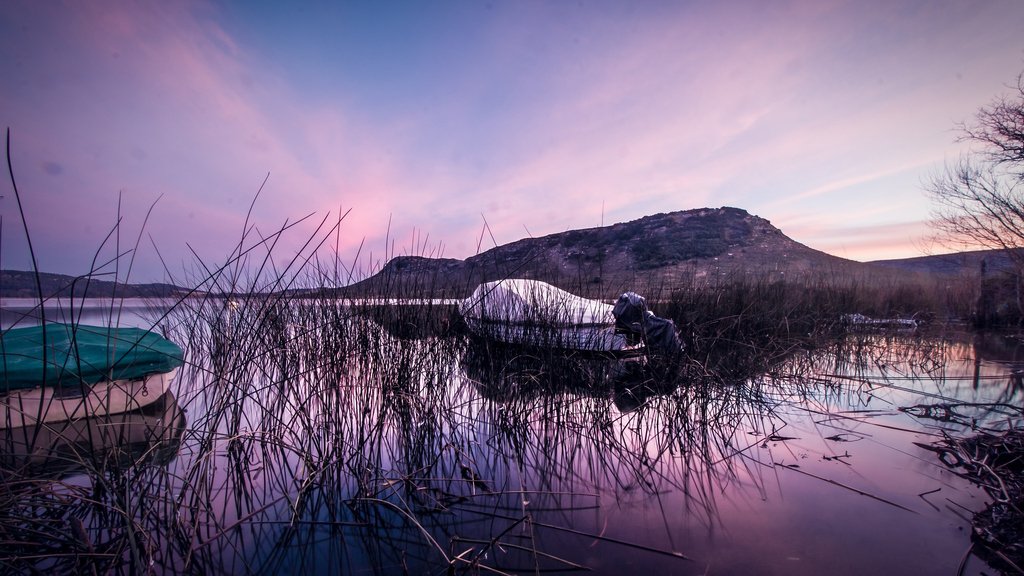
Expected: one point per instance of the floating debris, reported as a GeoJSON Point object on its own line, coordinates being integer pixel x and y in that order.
{"type": "Point", "coordinates": [862, 322]}
{"type": "Point", "coordinates": [996, 463]}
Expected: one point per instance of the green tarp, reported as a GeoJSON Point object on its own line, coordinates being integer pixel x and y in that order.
{"type": "Point", "coordinates": [78, 354]}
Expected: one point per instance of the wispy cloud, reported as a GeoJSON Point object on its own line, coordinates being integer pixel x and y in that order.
{"type": "Point", "coordinates": [879, 242]}
{"type": "Point", "coordinates": [538, 116]}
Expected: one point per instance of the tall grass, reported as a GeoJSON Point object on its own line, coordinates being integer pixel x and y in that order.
{"type": "Point", "coordinates": [327, 434]}
{"type": "Point", "coordinates": [308, 422]}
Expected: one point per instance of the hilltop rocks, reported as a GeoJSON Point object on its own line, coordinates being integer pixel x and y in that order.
{"type": "Point", "coordinates": [652, 253]}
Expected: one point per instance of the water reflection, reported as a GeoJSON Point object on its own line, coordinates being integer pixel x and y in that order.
{"type": "Point", "coordinates": [87, 496]}
{"type": "Point", "coordinates": [131, 312]}
{"type": "Point", "coordinates": [319, 441]}
{"type": "Point", "coordinates": [55, 451]}
{"type": "Point", "coordinates": [504, 373]}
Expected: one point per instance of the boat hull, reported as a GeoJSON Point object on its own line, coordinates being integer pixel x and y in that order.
{"type": "Point", "coordinates": [583, 338]}
{"type": "Point", "coordinates": [34, 406]}
{"type": "Point", "coordinates": [60, 449]}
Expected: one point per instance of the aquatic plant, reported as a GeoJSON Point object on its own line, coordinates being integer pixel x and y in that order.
{"type": "Point", "coordinates": [316, 432]}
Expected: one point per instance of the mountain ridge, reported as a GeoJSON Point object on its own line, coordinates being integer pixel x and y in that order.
{"type": "Point", "coordinates": [972, 262]}
{"type": "Point", "coordinates": [22, 284]}
{"type": "Point", "coordinates": [653, 252]}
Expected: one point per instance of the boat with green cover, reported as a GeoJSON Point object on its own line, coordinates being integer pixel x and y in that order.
{"type": "Point", "coordinates": [61, 372]}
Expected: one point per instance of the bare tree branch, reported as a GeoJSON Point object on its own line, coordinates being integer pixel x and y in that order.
{"type": "Point", "coordinates": [979, 199]}
{"type": "Point", "coordinates": [999, 131]}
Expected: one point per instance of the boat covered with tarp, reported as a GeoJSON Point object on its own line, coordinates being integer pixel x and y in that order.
{"type": "Point", "coordinates": [59, 371]}
{"type": "Point", "coordinates": [535, 313]}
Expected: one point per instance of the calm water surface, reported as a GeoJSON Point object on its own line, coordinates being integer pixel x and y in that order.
{"type": "Point", "coordinates": [137, 312]}
{"type": "Point", "coordinates": [305, 442]}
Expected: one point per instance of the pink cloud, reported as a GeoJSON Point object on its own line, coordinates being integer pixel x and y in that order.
{"type": "Point", "coordinates": [545, 124]}
{"type": "Point", "coordinates": [873, 242]}
{"type": "Point", "coordinates": [208, 138]}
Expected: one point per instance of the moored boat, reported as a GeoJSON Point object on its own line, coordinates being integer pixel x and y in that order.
{"type": "Point", "coordinates": [534, 313]}
{"type": "Point", "coordinates": [59, 372]}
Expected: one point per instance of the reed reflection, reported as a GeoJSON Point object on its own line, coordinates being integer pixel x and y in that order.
{"type": "Point", "coordinates": [318, 440]}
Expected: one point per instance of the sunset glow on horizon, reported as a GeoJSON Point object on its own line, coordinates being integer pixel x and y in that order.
{"type": "Point", "coordinates": [428, 119]}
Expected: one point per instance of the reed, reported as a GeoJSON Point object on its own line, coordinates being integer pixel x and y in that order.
{"type": "Point", "coordinates": [324, 433]}
{"type": "Point", "coordinates": [314, 432]}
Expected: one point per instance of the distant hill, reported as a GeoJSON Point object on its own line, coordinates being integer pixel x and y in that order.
{"type": "Point", "coordinates": [649, 255]}
{"type": "Point", "coordinates": [22, 284]}
{"type": "Point", "coordinates": [955, 264]}
{"type": "Point", "coordinates": [652, 253]}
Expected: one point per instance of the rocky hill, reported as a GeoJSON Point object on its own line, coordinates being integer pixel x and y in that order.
{"type": "Point", "coordinates": [652, 253]}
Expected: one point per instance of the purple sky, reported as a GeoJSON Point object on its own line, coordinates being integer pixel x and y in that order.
{"type": "Point", "coordinates": [823, 117]}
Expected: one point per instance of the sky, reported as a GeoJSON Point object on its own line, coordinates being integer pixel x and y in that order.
{"type": "Point", "coordinates": [442, 128]}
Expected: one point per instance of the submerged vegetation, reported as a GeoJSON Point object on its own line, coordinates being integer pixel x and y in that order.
{"type": "Point", "coordinates": [995, 461]}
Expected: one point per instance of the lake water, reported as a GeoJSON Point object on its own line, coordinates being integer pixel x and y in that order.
{"type": "Point", "coordinates": [137, 312]}
{"type": "Point", "coordinates": [324, 442]}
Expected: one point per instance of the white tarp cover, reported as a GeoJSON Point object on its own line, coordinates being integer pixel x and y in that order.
{"type": "Point", "coordinates": [520, 301]}
{"type": "Point", "coordinates": [534, 313]}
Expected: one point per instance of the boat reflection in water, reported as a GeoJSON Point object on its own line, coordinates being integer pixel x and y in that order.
{"type": "Point", "coordinates": [504, 372]}
{"type": "Point", "coordinates": [54, 451]}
